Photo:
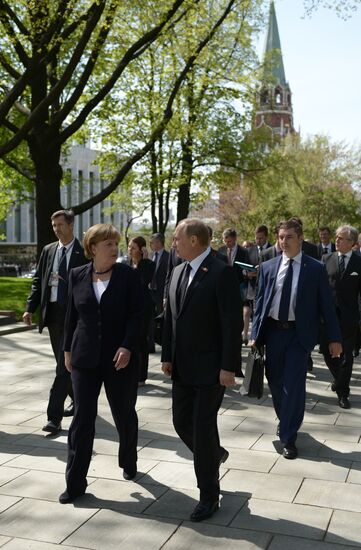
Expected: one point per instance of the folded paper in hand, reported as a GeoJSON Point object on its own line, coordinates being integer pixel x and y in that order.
{"type": "Point", "coordinates": [246, 267]}
{"type": "Point", "coordinates": [254, 374]}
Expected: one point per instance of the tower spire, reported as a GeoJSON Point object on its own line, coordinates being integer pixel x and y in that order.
{"type": "Point", "coordinates": [274, 99]}
{"type": "Point", "coordinates": [273, 47]}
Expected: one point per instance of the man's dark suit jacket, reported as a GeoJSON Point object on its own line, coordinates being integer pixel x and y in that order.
{"type": "Point", "coordinates": [173, 261]}
{"type": "Point", "coordinates": [40, 289]}
{"type": "Point", "coordinates": [94, 331]}
{"type": "Point", "coordinates": [268, 254]}
{"type": "Point", "coordinates": [313, 301]}
{"type": "Point", "coordinates": [203, 337]}
{"type": "Point", "coordinates": [346, 291]}
{"type": "Point", "coordinates": [320, 248]}
{"type": "Point", "coordinates": [160, 277]}
{"type": "Point", "coordinates": [310, 249]}
{"type": "Point", "coordinates": [241, 256]}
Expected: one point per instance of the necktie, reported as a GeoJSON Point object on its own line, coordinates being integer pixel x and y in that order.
{"type": "Point", "coordinates": [63, 279]}
{"type": "Point", "coordinates": [183, 286]}
{"type": "Point", "coordinates": [324, 251]}
{"type": "Point", "coordinates": [229, 255]}
{"type": "Point", "coordinates": [153, 284]}
{"type": "Point", "coordinates": [342, 264]}
{"type": "Point", "coordinates": [286, 294]}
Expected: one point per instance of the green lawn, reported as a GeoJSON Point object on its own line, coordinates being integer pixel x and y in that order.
{"type": "Point", "coordinates": [13, 294]}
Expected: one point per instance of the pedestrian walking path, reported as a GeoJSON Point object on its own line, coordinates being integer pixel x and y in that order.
{"type": "Point", "coordinates": [312, 503]}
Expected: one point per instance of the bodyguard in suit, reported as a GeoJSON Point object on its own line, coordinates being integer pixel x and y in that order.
{"type": "Point", "coordinates": [325, 246]}
{"type": "Point", "coordinates": [293, 293]}
{"type": "Point", "coordinates": [344, 274]}
{"type": "Point", "coordinates": [49, 290]}
{"type": "Point", "coordinates": [201, 352]}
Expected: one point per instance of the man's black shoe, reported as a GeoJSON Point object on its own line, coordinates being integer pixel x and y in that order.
{"type": "Point", "coordinates": [204, 510]}
{"type": "Point", "coordinates": [278, 429]}
{"type": "Point", "coordinates": [68, 498]}
{"type": "Point", "coordinates": [129, 473]}
{"type": "Point", "coordinates": [344, 403]}
{"type": "Point", "coordinates": [69, 411]}
{"type": "Point", "coordinates": [290, 451]}
{"type": "Point", "coordinates": [224, 457]}
{"type": "Point", "coordinates": [51, 427]}
{"type": "Point", "coordinates": [333, 386]}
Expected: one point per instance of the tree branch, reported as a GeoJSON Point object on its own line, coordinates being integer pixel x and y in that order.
{"type": "Point", "coordinates": [93, 57]}
{"type": "Point", "coordinates": [22, 171]}
{"type": "Point", "coordinates": [9, 68]}
{"type": "Point", "coordinates": [167, 115]}
{"type": "Point", "coordinates": [4, 8]}
{"type": "Point", "coordinates": [57, 89]}
{"type": "Point", "coordinates": [147, 39]}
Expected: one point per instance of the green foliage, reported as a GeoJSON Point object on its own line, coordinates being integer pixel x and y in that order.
{"type": "Point", "coordinates": [317, 180]}
{"type": "Point", "coordinates": [207, 127]}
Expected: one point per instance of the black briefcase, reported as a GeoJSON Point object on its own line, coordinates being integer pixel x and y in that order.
{"type": "Point", "coordinates": [253, 381]}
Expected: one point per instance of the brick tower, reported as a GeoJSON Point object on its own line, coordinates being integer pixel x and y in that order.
{"type": "Point", "coordinates": [274, 98]}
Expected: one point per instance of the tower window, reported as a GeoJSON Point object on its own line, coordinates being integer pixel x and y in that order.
{"type": "Point", "coordinates": [278, 96]}
{"type": "Point", "coordinates": [264, 97]}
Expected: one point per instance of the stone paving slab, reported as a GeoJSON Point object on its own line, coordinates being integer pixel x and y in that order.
{"type": "Point", "coordinates": [127, 532]}
{"type": "Point", "coordinates": [204, 537]}
{"type": "Point", "coordinates": [330, 494]}
{"type": "Point", "coordinates": [31, 517]}
{"type": "Point", "coordinates": [344, 528]}
{"type": "Point", "coordinates": [336, 470]}
{"type": "Point", "coordinates": [294, 543]}
{"type": "Point", "coordinates": [284, 518]}
{"type": "Point", "coordinates": [263, 486]}
{"type": "Point", "coordinates": [23, 544]}
{"type": "Point", "coordinates": [267, 503]}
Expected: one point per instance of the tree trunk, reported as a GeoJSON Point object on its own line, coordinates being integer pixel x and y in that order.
{"type": "Point", "coordinates": [48, 174]}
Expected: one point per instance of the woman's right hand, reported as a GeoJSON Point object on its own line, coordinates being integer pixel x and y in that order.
{"type": "Point", "coordinates": [67, 358]}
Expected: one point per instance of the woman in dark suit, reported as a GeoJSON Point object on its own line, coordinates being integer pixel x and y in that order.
{"type": "Point", "coordinates": [137, 253]}
{"type": "Point", "coordinates": [102, 327]}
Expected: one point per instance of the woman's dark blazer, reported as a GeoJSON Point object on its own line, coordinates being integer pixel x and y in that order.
{"type": "Point", "coordinates": [146, 269]}
{"type": "Point", "coordinates": [94, 331]}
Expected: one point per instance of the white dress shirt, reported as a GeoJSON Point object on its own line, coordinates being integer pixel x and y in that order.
{"type": "Point", "coordinates": [347, 257]}
{"type": "Point", "coordinates": [275, 306]}
{"type": "Point", "coordinates": [196, 263]}
{"type": "Point", "coordinates": [53, 281]}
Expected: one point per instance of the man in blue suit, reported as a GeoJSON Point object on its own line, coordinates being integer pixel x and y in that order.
{"type": "Point", "coordinates": [293, 294]}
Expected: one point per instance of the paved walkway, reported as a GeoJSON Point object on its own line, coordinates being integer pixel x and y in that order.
{"type": "Point", "coordinates": [312, 503]}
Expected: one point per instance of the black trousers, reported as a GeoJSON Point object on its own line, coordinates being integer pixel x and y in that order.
{"type": "Point", "coordinates": [143, 346]}
{"type": "Point", "coordinates": [195, 410]}
{"type": "Point", "coordinates": [341, 367]}
{"type": "Point", "coordinates": [121, 391]}
{"type": "Point", "coordinates": [62, 386]}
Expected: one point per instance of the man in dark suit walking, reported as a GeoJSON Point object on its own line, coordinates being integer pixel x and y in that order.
{"type": "Point", "coordinates": [49, 290]}
{"type": "Point", "coordinates": [293, 293]}
{"type": "Point", "coordinates": [325, 246]}
{"type": "Point", "coordinates": [160, 258]}
{"type": "Point", "coordinates": [234, 252]}
{"type": "Point", "coordinates": [201, 352]}
{"type": "Point", "coordinates": [344, 274]}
